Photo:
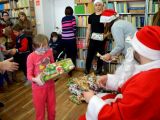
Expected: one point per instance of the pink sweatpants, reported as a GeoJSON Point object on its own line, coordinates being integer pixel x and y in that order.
{"type": "Point", "coordinates": [44, 97]}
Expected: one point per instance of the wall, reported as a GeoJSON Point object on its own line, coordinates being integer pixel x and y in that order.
{"type": "Point", "coordinates": [60, 6]}
{"type": "Point", "coordinates": [49, 14]}
{"type": "Point", "coordinates": [45, 17]}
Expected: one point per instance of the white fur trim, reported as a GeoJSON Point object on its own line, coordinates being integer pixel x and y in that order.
{"type": "Point", "coordinates": [96, 1]}
{"type": "Point", "coordinates": [94, 107]}
{"type": "Point", "coordinates": [144, 50]}
{"type": "Point", "coordinates": [96, 104]}
{"type": "Point", "coordinates": [109, 101]}
{"type": "Point", "coordinates": [105, 19]}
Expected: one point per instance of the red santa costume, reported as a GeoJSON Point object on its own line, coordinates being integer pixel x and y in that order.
{"type": "Point", "coordinates": [139, 88]}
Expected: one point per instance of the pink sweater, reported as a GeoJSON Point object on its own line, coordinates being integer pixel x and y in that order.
{"type": "Point", "coordinates": [35, 65]}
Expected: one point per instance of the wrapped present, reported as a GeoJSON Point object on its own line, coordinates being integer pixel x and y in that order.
{"type": "Point", "coordinates": [55, 70]}
{"type": "Point", "coordinates": [79, 84]}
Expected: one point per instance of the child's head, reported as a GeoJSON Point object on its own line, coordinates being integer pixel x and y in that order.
{"type": "Point", "coordinates": [5, 15]}
{"type": "Point", "coordinates": [54, 36]}
{"type": "Point", "coordinates": [22, 16]}
{"type": "Point", "coordinates": [68, 11]}
{"type": "Point", "coordinates": [40, 43]}
{"type": "Point", "coordinates": [17, 29]}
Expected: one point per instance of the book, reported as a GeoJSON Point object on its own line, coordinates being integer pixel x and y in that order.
{"type": "Point", "coordinates": [79, 9]}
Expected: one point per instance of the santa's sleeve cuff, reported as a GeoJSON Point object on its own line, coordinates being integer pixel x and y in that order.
{"type": "Point", "coordinates": [94, 107]}
{"type": "Point", "coordinates": [112, 82]}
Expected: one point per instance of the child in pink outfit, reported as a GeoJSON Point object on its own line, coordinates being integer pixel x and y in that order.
{"type": "Point", "coordinates": [43, 93]}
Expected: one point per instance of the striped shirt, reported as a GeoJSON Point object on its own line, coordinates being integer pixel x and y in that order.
{"type": "Point", "coordinates": [68, 27]}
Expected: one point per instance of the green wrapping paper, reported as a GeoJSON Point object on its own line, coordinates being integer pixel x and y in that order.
{"type": "Point", "coordinates": [55, 70]}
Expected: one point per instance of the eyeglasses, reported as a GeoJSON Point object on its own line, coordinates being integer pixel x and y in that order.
{"type": "Point", "coordinates": [5, 15]}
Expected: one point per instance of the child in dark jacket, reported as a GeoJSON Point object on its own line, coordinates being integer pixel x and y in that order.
{"type": "Point", "coordinates": [55, 43]}
{"type": "Point", "coordinates": [21, 50]}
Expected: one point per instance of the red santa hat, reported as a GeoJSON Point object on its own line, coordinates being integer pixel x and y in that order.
{"type": "Point", "coordinates": [147, 42]}
{"type": "Point", "coordinates": [108, 16]}
{"type": "Point", "coordinates": [96, 1]}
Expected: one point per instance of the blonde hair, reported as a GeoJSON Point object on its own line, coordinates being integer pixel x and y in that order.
{"type": "Point", "coordinates": [39, 41]}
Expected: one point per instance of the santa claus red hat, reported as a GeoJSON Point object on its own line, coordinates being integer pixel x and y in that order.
{"type": "Point", "coordinates": [108, 16]}
{"type": "Point", "coordinates": [147, 42]}
{"type": "Point", "coordinates": [96, 1]}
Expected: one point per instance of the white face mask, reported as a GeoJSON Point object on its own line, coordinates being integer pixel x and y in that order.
{"type": "Point", "coordinates": [54, 39]}
{"type": "Point", "coordinates": [41, 50]}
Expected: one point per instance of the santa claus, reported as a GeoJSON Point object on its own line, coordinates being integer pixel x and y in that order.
{"type": "Point", "coordinates": [137, 80]}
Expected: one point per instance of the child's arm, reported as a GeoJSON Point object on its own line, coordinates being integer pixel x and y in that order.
{"type": "Point", "coordinates": [30, 71]}
{"type": "Point", "coordinates": [24, 45]}
{"type": "Point", "coordinates": [23, 48]}
{"type": "Point", "coordinates": [30, 67]}
{"type": "Point", "coordinates": [51, 56]}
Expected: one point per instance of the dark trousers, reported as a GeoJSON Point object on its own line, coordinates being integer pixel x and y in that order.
{"type": "Point", "coordinates": [94, 47]}
{"type": "Point", "coordinates": [71, 49]}
{"type": "Point", "coordinates": [21, 59]}
{"type": "Point", "coordinates": [4, 76]}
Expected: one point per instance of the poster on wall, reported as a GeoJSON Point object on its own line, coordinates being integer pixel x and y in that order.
{"type": "Point", "coordinates": [37, 2]}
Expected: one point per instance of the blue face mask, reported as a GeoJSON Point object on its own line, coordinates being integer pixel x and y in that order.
{"type": "Point", "coordinates": [41, 50]}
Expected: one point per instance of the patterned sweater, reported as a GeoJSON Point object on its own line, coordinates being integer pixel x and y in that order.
{"type": "Point", "coordinates": [68, 27]}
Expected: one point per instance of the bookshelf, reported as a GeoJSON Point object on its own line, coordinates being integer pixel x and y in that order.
{"type": "Point", "coordinates": [82, 9]}
{"type": "Point", "coordinates": [4, 5]}
{"type": "Point", "coordinates": [152, 6]}
{"type": "Point", "coordinates": [16, 6]}
{"type": "Point", "coordinates": [131, 10]}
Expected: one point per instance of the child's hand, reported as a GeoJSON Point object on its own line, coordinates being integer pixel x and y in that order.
{"type": "Point", "coordinates": [12, 51]}
{"type": "Point", "coordinates": [38, 80]}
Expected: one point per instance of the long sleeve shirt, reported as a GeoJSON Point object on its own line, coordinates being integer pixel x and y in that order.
{"type": "Point", "coordinates": [68, 27]}
{"type": "Point", "coordinates": [36, 64]}
{"type": "Point", "coordinates": [122, 31]}
{"type": "Point", "coordinates": [22, 43]}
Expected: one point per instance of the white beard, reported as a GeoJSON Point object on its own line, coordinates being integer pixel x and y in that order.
{"type": "Point", "coordinates": [127, 68]}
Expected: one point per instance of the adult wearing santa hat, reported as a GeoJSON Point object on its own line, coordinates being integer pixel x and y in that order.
{"type": "Point", "coordinates": [139, 88]}
{"type": "Point", "coordinates": [121, 30]}
{"type": "Point", "coordinates": [94, 37]}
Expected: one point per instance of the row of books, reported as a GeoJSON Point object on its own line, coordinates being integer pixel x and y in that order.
{"type": "Point", "coordinates": [16, 12]}
{"type": "Point", "coordinates": [83, 1]}
{"type": "Point", "coordinates": [4, 6]}
{"type": "Point", "coordinates": [14, 5]}
{"type": "Point", "coordinates": [84, 8]}
{"type": "Point", "coordinates": [150, 19]}
{"type": "Point", "coordinates": [137, 21]}
{"type": "Point", "coordinates": [153, 6]}
{"type": "Point", "coordinates": [82, 54]}
{"type": "Point", "coordinates": [82, 21]}
{"type": "Point", "coordinates": [81, 32]}
{"type": "Point", "coordinates": [81, 44]}
{"type": "Point", "coordinates": [80, 63]}
{"type": "Point", "coordinates": [125, 7]}
{"type": "Point", "coordinates": [20, 3]}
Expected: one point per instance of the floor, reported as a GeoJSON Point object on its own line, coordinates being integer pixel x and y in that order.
{"type": "Point", "coordinates": [18, 102]}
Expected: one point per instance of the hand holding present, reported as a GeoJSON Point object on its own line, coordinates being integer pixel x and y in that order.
{"type": "Point", "coordinates": [38, 80]}
{"type": "Point", "coordinates": [88, 95]}
{"type": "Point", "coordinates": [106, 57]}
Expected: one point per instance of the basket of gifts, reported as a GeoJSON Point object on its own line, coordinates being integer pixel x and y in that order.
{"type": "Point", "coordinates": [80, 84]}
{"type": "Point", "coordinates": [55, 70]}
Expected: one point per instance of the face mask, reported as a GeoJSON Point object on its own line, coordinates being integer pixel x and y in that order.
{"type": "Point", "coordinates": [54, 39]}
{"type": "Point", "coordinates": [41, 50]}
